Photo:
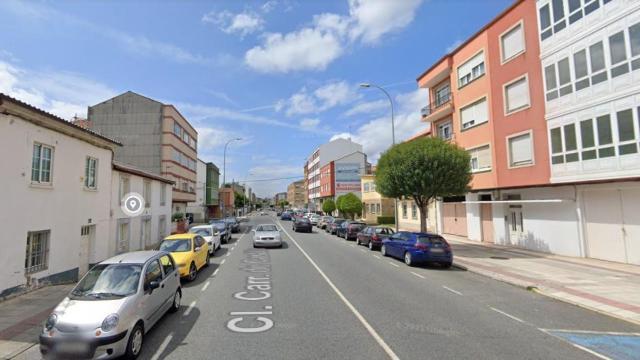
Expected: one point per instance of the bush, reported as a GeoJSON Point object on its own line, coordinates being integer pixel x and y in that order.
{"type": "Point", "coordinates": [386, 220]}
{"type": "Point", "coordinates": [177, 216]}
{"type": "Point", "coordinates": [328, 206]}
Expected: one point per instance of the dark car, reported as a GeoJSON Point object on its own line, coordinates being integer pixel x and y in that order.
{"type": "Point", "coordinates": [224, 228]}
{"type": "Point", "coordinates": [301, 224]}
{"type": "Point", "coordinates": [415, 247]}
{"type": "Point", "coordinates": [233, 224]}
{"type": "Point", "coordinates": [332, 228]}
{"type": "Point", "coordinates": [372, 236]}
{"type": "Point", "coordinates": [285, 216]}
{"type": "Point", "coordinates": [350, 229]}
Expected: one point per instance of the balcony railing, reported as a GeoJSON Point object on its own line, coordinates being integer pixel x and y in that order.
{"type": "Point", "coordinates": [437, 104]}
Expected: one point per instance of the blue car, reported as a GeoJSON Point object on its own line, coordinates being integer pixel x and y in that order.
{"type": "Point", "coordinates": [415, 248]}
{"type": "Point", "coordinates": [285, 216]}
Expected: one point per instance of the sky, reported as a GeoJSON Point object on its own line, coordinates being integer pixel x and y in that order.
{"type": "Point", "coordinates": [282, 75]}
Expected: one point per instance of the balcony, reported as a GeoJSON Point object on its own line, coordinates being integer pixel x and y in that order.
{"type": "Point", "coordinates": [438, 109]}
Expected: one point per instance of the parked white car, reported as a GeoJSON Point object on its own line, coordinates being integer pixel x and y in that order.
{"type": "Point", "coordinates": [210, 234]}
{"type": "Point", "coordinates": [266, 235]}
{"type": "Point", "coordinates": [117, 302]}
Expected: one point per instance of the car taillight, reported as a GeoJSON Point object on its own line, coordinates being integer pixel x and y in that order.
{"type": "Point", "coordinates": [422, 246]}
{"type": "Point", "coordinates": [375, 238]}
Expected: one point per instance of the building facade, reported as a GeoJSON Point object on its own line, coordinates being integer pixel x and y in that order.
{"type": "Point", "coordinates": [279, 197]}
{"type": "Point", "coordinates": [145, 231]}
{"type": "Point", "coordinates": [212, 198]}
{"type": "Point", "coordinates": [373, 203]}
{"type": "Point", "coordinates": [57, 185]}
{"type": "Point", "coordinates": [197, 210]}
{"type": "Point", "coordinates": [155, 137]}
{"type": "Point", "coordinates": [295, 194]}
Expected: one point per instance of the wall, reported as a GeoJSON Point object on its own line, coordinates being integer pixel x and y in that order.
{"type": "Point", "coordinates": [172, 169]}
{"type": "Point", "coordinates": [197, 208]}
{"type": "Point", "coordinates": [64, 207]}
{"type": "Point", "coordinates": [411, 224]}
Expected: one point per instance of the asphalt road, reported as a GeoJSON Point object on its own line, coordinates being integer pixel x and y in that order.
{"type": "Point", "coordinates": [321, 297]}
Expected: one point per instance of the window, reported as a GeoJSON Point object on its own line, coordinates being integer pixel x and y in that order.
{"type": "Point", "coordinates": [545, 22]}
{"type": "Point", "coordinates": [37, 253]}
{"type": "Point", "coordinates": [512, 43]}
{"type": "Point", "coordinates": [373, 186]}
{"type": "Point", "coordinates": [575, 10]}
{"type": "Point", "coordinates": [598, 71]}
{"type": "Point", "coordinates": [177, 129]}
{"type": "Point", "coordinates": [366, 187]}
{"type": "Point", "coordinates": [146, 189]}
{"type": "Point", "coordinates": [163, 194]}
{"type": "Point", "coordinates": [153, 272]}
{"type": "Point", "coordinates": [580, 69]}
{"type": "Point", "coordinates": [634, 39]}
{"type": "Point", "coordinates": [516, 95]}
{"type": "Point", "coordinates": [564, 77]}
{"type": "Point", "coordinates": [626, 133]}
{"type": "Point", "coordinates": [414, 211]}
{"type": "Point", "coordinates": [162, 227]}
{"type": "Point", "coordinates": [520, 150]}
{"type": "Point", "coordinates": [442, 95]}
{"type": "Point", "coordinates": [445, 131]}
{"type": "Point", "coordinates": [90, 169]}
{"type": "Point", "coordinates": [588, 140]}
{"type": "Point", "coordinates": [41, 163]}
{"type": "Point", "coordinates": [167, 264]}
{"type": "Point", "coordinates": [404, 210]}
{"type": "Point", "coordinates": [474, 114]}
{"type": "Point", "coordinates": [471, 70]}
{"type": "Point", "coordinates": [605, 137]}
{"type": "Point", "coordinates": [570, 143]}
{"type": "Point", "coordinates": [480, 158]}
{"type": "Point", "coordinates": [124, 187]}
{"type": "Point", "coordinates": [378, 209]}
{"type": "Point", "coordinates": [122, 244]}
{"type": "Point", "coordinates": [550, 82]}
{"type": "Point", "coordinates": [618, 54]}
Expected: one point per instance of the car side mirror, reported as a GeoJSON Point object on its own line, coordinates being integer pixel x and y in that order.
{"type": "Point", "coordinates": [197, 249]}
{"type": "Point", "coordinates": [152, 286]}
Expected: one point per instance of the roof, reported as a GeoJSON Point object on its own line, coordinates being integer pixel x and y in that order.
{"type": "Point", "coordinates": [130, 169]}
{"type": "Point", "coordinates": [419, 135]}
{"type": "Point", "coordinates": [58, 120]}
{"type": "Point", "coordinates": [493, 21]}
{"type": "Point", "coordinates": [135, 257]}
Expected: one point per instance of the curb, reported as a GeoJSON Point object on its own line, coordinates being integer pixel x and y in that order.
{"type": "Point", "coordinates": [459, 267]}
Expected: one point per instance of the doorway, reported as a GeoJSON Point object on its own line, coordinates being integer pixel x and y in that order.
{"type": "Point", "coordinates": [87, 238]}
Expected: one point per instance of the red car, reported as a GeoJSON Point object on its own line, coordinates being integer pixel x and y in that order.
{"type": "Point", "coordinates": [372, 236]}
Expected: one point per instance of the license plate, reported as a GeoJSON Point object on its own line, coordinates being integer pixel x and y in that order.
{"type": "Point", "coordinates": [437, 251]}
{"type": "Point", "coordinates": [72, 347]}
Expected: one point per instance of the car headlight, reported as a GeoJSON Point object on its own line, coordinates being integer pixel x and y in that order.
{"type": "Point", "coordinates": [110, 322]}
{"type": "Point", "coordinates": [51, 322]}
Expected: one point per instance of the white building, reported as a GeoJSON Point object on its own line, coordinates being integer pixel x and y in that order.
{"type": "Point", "coordinates": [590, 54]}
{"type": "Point", "coordinates": [199, 208]}
{"type": "Point", "coordinates": [145, 231]}
{"type": "Point", "coordinates": [323, 155]}
{"type": "Point", "coordinates": [56, 189]}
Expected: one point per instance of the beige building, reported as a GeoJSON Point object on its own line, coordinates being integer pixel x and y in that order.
{"type": "Point", "coordinates": [296, 194]}
{"type": "Point", "coordinates": [409, 216]}
{"type": "Point", "coordinates": [374, 204]}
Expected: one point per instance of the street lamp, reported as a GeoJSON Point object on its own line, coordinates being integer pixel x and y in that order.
{"type": "Point", "coordinates": [393, 137]}
{"type": "Point", "coordinates": [224, 170]}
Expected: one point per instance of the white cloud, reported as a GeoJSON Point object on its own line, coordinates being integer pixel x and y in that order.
{"type": "Point", "coordinates": [306, 49]}
{"type": "Point", "coordinates": [269, 6]}
{"type": "Point", "coordinates": [309, 123]}
{"type": "Point", "coordinates": [62, 93]}
{"type": "Point", "coordinates": [244, 23]}
{"type": "Point", "coordinates": [317, 45]}
{"type": "Point", "coordinates": [453, 46]}
{"type": "Point", "coordinates": [274, 171]}
{"type": "Point", "coordinates": [375, 134]}
{"type": "Point", "coordinates": [323, 98]}
{"type": "Point", "coordinates": [368, 107]}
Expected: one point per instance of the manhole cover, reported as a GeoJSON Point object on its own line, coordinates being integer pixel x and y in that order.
{"type": "Point", "coordinates": [499, 258]}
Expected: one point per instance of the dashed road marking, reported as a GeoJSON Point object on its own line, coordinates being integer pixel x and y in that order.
{"type": "Point", "coordinates": [215, 272]}
{"type": "Point", "coordinates": [507, 315]}
{"type": "Point", "coordinates": [229, 253]}
{"type": "Point", "coordinates": [205, 286]}
{"type": "Point", "coordinates": [396, 265]}
{"type": "Point", "coordinates": [188, 311]}
{"type": "Point", "coordinates": [222, 262]}
{"type": "Point", "coordinates": [453, 291]}
{"type": "Point", "coordinates": [416, 274]}
{"type": "Point", "coordinates": [363, 250]}
{"type": "Point", "coordinates": [377, 257]}
{"type": "Point", "coordinates": [162, 347]}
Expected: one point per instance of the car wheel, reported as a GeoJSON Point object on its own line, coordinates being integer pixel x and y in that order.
{"type": "Point", "coordinates": [408, 259]}
{"type": "Point", "coordinates": [134, 345]}
{"type": "Point", "coordinates": [177, 297]}
{"type": "Point", "coordinates": [370, 245]}
{"type": "Point", "coordinates": [383, 250]}
{"type": "Point", "coordinates": [193, 272]}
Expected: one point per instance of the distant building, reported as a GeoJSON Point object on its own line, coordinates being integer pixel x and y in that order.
{"type": "Point", "coordinates": [155, 138]}
{"type": "Point", "coordinates": [373, 203]}
{"type": "Point", "coordinates": [296, 194]}
{"type": "Point", "coordinates": [212, 197]}
{"type": "Point", "coordinates": [279, 197]}
{"type": "Point", "coordinates": [227, 201]}
{"type": "Point", "coordinates": [197, 209]}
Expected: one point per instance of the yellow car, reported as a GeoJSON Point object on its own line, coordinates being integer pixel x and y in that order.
{"type": "Point", "coordinates": [190, 252]}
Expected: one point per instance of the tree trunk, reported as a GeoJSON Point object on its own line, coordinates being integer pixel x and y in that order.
{"type": "Point", "coordinates": [423, 218]}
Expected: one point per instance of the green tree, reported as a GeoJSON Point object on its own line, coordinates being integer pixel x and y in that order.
{"type": "Point", "coordinates": [328, 206]}
{"type": "Point", "coordinates": [283, 203]}
{"type": "Point", "coordinates": [351, 205]}
{"type": "Point", "coordinates": [339, 204]}
{"type": "Point", "coordinates": [240, 200]}
{"type": "Point", "coordinates": [423, 170]}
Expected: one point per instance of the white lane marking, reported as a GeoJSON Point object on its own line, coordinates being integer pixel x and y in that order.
{"type": "Point", "coordinates": [363, 250]}
{"type": "Point", "coordinates": [596, 354]}
{"type": "Point", "coordinates": [205, 286]}
{"type": "Point", "coordinates": [451, 290]}
{"type": "Point", "coordinates": [229, 253]}
{"type": "Point", "coordinates": [396, 265]}
{"type": "Point", "coordinates": [215, 272]}
{"type": "Point", "coordinates": [507, 315]}
{"type": "Point", "coordinates": [352, 245]}
{"type": "Point", "coordinates": [416, 274]}
{"type": "Point", "coordinates": [365, 323]}
{"type": "Point", "coordinates": [191, 306]}
{"type": "Point", "coordinates": [162, 347]}
{"type": "Point", "coordinates": [377, 257]}
{"type": "Point", "coordinates": [591, 352]}
{"type": "Point", "coordinates": [222, 262]}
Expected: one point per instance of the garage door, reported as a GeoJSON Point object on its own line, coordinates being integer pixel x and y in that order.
{"type": "Point", "coordinates": [454, 219]}
{"type": "Point", "coordinates": [613, 225]}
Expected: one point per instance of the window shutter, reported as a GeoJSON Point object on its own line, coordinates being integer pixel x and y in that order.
{"type": "Point", "coordinates": [465, 68]}
{"type": "Point", "coordinates": [512, 43]}
{"type": "Point", "coordinates": [484, 157]}
{"type": "Point", "coordinates": [520, 147]}
{"type": "Point", "coordinates": [517, 95]}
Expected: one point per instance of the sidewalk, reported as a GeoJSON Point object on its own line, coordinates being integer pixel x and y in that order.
{"type": "Point", "coordinates": [607, 287]}
{"type": "Point", "coordinates": [21, 320]}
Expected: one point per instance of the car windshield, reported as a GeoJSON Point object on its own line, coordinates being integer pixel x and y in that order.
{"type": "Point", "coordinates": [304, 220]}
{"type": "Point", "coordinates": [267, 228]}
{"type": "Point", "coordinates": [219, 224]}
{"type": "Point", "coordinates": [108, 281]}
{"type": "Point", "coordinates": [384, 231]}
{"type": "Point", "coordinates": [201, 231]}
{"type": "Point", "coordinates": [175, 245]}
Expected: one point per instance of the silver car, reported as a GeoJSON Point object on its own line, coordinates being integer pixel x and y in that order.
{"type": "Point", "coordinates": [111, 308]}
{"type": "Point", "coordinates": [266, 235]}
{"type": "Point", "coordinates": [210, 234]}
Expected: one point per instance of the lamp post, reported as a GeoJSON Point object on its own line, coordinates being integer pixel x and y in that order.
{"type": "Point", "coordinates": [224, 171]}
{"type": "Point", "coordinates": [393, 137]}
